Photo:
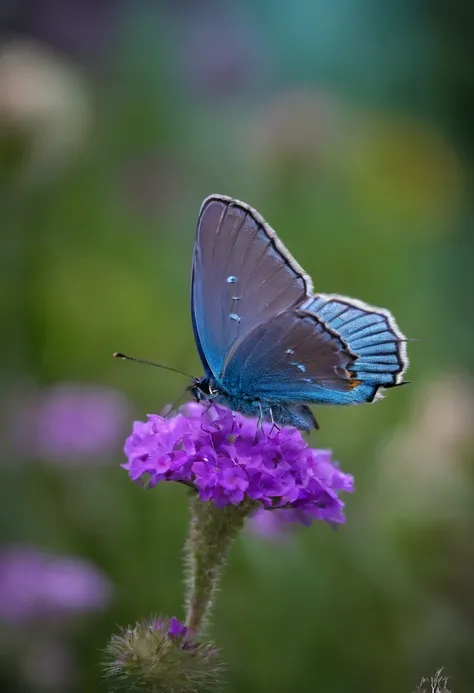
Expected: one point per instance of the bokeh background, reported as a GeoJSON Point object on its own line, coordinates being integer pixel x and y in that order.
{"type": "Point", "coordinates": [348, 124]}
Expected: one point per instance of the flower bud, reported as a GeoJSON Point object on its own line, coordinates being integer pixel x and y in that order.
{"type": "Point", "coordinates": [162, 656]}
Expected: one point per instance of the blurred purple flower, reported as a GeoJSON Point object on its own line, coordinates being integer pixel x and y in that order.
{"type": "Point", "coordinates": [276, 525]}
{"type": "Point", "coordinates": [228, 458]}
{"type": "Point", "coordinates": [70, 423]}
{"type": "Point", "coordinates": [268, 525]}
{"type": "Point", "coordinates": [37, 585]}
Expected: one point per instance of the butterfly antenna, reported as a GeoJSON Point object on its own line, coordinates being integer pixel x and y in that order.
{"type": "Point", "coordinates": [118, 355]}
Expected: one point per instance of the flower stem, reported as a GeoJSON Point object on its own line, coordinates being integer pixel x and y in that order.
{"type": "Point", "coordinates": [212, 531]}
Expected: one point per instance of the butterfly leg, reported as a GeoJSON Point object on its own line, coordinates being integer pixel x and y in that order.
{"type": "Point", "coordinates": [260, 417]}
{"type": "Point", "coordinates": [211, 422]}
{"type": "Point", "coordinates": [260, 421]}
{"type": "Point", "coordinates": [273, 422]}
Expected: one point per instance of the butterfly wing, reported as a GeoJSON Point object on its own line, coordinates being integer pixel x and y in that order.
{"type": "Point", "coordinates": [262, 334]}
{"type": "Point", "coordinates": [292, 357]}
{"type": "Point", "coordinates": [371, 333]}
{"type": "Point", "coordinates": [242, 277]}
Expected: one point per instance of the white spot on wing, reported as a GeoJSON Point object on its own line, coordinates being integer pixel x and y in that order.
{"type": "Point", "coordinates": [299, 366]}
{"type": "Point", "coordinates": [234, 316]}
{"type": "Point", "coordinates": [231, 279]}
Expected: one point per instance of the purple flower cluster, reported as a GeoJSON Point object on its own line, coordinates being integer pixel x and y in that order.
{"type": "Point", "coordinates": [229, 458]}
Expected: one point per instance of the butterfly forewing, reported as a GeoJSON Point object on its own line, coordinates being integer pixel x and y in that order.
{"type": "Point", "coordinates": [242, 277]}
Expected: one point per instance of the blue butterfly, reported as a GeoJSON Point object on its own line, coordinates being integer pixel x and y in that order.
{"type": "Point", "coordinates": [269, 346]}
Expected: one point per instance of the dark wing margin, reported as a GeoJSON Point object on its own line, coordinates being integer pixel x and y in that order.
{"type": "Point", "coordinates": [290, 358]}
{"type": "Point", "coordinates": [242, 277]}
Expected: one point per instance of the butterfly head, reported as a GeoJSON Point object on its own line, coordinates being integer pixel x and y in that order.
{"type": "Point", "coordinates": [203, 389]}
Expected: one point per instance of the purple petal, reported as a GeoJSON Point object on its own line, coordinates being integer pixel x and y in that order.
{"type": "Point", "coordinates": [234, 478]}
{"type": "Point", "coordinates": [176, 629]}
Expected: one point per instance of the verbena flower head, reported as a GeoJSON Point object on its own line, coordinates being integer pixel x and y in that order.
{"type": "Point", "coordinates": [37, 585]}
{"type": "Point", "coordinates": [229, 458]}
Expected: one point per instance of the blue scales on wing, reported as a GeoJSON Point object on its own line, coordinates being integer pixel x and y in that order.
{"type": "Point", "coordinates": [373, 335]}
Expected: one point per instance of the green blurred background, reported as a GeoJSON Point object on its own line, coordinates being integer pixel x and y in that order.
{"type": "Point", "coordinates": [348, 125]}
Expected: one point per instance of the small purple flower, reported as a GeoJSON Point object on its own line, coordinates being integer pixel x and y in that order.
{"type": "Point", "coordinates": [37, 585]}
{"type": "Point", "coordinates": [229, 458]}
{"type": "Point", "coordinates": [69, 423]}
{"type": "Point", "coordinates": [173, 628]}
{"type": "Point", "coordinates": [176, 629]}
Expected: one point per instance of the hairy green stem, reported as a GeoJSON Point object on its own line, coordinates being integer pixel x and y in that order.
{"type": "Point", "coordinates": [212, 531]}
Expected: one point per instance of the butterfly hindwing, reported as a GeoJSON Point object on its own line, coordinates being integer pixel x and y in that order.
{"type": "Point", "coordinates": [371, 333]}
{"type": "Point", "coordinates": [289, 358]}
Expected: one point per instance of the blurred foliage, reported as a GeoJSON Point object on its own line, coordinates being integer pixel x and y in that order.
{"type": "Point", "coordinates": [349, 126]}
